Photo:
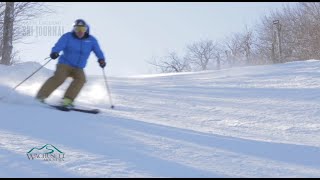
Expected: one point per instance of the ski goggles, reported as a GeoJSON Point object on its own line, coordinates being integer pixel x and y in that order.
{"type": "Point", "coordinates": [80, 29]}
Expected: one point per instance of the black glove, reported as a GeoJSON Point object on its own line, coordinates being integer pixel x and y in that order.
{"type": "Point", "coordinates": [102, 63]}
{"type": "Point", "coordinates": [54, 55]}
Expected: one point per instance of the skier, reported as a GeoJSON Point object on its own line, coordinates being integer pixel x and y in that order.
{"type": "Point", "coordinates": [76, 46]}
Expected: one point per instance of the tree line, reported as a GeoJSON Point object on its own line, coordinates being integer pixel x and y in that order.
{"type": "Point", "coordinates": [287, 34]}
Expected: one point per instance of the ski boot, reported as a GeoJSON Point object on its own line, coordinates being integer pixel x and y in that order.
{"type": "Point", "coordinates": [67, 103]}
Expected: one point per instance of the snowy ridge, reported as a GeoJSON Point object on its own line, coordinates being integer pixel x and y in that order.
{"type": "Point", "coordinates": [259, 121]}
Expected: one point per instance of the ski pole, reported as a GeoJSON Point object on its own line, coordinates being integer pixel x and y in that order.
{"type": "Point", "coordinates": [105, 80]}
{"type": "Point", "coordinates": [29, 76]}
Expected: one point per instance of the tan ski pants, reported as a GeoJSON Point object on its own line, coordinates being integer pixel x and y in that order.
{"type": "Point", "coordinates": [62, 72]}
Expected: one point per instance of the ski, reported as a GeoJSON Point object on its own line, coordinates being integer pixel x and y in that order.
{"type": "Point", "coordinates": [92, 111]}
{"type": "Point", "coordinates": [61, 108]}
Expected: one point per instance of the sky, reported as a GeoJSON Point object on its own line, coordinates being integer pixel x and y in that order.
{"type": "Point", "coordinates": [132, 33]}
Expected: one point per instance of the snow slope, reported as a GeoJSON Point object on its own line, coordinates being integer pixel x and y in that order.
{"type": "Point", "coordinates": [259, 121]}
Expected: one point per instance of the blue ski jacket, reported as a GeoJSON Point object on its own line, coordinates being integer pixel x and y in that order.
{"type": "Point", "coordinates": [77, 51]}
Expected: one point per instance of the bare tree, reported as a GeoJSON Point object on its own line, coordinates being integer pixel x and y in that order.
{"type": "Point", "coordinates": [234, 47]}
{"type": "Point", "coordinates": [219, 56]}
{"type": "Point", "coordinates": [7, 33]}
{"type": "Point", "coordinates": [26, 11]}
{"type": "Point", "coordinates": [2, 11]}
{"type": "Point", "coordinates": [15, 14]}
{"type": "Point", "coordinates": [298, 38]}
{"type": "Point", "coordinates": [171, 63]}
{"type": "Point", "coordinates": [201, 53]}
{"type": "Point", "coordinates": [246, 44]}
{"type": "Point", "coordinates": [310, 21]}
{"type": "Point", "coordinates": [239, 48]}
{"type": "Point", "coordinates": [263, 30]}
{"type": "Point", "coordinates": [300, 32]}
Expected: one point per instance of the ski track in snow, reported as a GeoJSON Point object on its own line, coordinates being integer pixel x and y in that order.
{"type": "Point", "coordinates": [243, 122]}
{"type": "Point", "coordinates": [257, 108]}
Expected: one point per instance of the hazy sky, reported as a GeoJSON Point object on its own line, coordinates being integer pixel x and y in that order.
{"type": "Point", "coordinates": [130, 33]}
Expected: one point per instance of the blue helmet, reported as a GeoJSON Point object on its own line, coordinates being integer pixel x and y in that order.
{"type": "Point", "coordinates": [81, 22]}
